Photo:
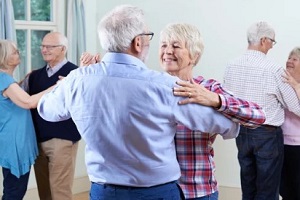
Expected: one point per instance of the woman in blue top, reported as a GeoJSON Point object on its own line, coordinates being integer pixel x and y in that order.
{"type": "Point", "coordinates": [18, 146]}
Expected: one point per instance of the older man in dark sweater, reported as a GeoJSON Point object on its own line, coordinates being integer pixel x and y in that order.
{"type": "Point", "coordinates": [58, 141]}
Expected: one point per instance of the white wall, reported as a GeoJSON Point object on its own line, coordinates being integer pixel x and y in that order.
{"type": "Point", "coordinates": [222, 23]}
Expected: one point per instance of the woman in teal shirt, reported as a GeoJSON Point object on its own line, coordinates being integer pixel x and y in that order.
{"type": "Point", "coordinates": [18, 146]}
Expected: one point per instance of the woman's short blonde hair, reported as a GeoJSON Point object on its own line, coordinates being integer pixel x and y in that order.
{"type": "Point", "coordinates": [6, 49]}
{"type": "Point", "coordinates": [187, 34]}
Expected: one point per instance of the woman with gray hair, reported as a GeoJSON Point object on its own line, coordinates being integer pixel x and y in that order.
{"type": "Point", "coordinates": [18, 146]}
{"type": "Point", "coordinates": [181, 47]}
{"type": "Point", "coordinates": [290, 175]}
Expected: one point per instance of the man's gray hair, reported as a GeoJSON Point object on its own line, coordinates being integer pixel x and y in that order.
{"type": "Point", "coordinates": [259, 30]}
{"type": "Point", "coordinates": [187, 34]}
{"type": "Point", "coordinates": [119, 27]}
{"type": "Point", "coordinates": [63, 40]}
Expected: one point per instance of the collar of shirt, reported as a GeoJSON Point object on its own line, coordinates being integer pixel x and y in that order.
{"type": "Point", "coordinates": [54, 69]}
{"type": "Point", "coordinates": [123, 58]}
{"type": "Point", "coordinates": [255, 53]}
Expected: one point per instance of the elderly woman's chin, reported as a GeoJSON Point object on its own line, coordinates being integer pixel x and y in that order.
{"type": "Point", "coordinates": [169, 68]}
{"type": "Point", "coordinates": [15, 65]}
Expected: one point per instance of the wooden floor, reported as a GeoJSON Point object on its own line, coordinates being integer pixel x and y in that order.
{"type": "Point", "coordinates": [81, 196]}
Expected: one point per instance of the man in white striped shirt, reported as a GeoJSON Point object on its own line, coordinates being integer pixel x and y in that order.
{"type": "Point", "coordinates": [254, 77]}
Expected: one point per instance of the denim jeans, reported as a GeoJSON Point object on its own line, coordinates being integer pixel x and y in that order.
{"type": "Point", "coordinates": [213, 196]}
{"type": "Point", "coordinates": [169, 191]}
{"type": "Point", "coordinates": [14, 188]}
{"type": "Point", "coordinates": [260, 154]}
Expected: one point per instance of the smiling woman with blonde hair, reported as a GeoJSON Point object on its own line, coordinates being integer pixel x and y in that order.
{"type": "Point", "coordinates": [181, 47]}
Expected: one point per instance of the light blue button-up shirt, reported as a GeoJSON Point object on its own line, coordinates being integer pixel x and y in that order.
{"type": "Point", "coordinates": [127, 115]}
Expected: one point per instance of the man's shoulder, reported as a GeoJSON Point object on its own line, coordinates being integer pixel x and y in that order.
{"type": "Point", "coordinates": [70, 65]}
{"type": "Point", "coordinates": [234, 61]}
{"type": "Point", "coordinates": [157, 77]}
{"type": "Point", "coordinates": [272, 66]}
{"type": "Point", "coordinates": [258, 59]}
{"type": "Point", "coordinates": [67, 68]}
{"type": "Point", "coordinates": [37, 71]}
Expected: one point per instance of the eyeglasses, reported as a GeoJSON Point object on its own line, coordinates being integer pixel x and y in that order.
{"type": "Point", "coordinates": [150, 35]}
{"type": "Point", "coordinates": [273, 41]}
{"type": "Point", "coordinates": [50, 47]}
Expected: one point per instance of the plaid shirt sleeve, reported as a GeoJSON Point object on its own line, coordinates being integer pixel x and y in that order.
{"type": "Point", "coordinates": [246, 113]}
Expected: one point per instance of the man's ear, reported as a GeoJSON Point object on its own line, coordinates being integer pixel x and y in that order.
{"type": "Point", "coordinates": [63, 48]}
{"type": "Point", "coordinates": [263, 45]}
{"type": "Point", "coordinates": [137, 44]}
{"type": "Point", "coordinates": [262, 41]}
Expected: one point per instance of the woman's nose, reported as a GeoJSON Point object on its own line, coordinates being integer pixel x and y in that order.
{"type": "Point", "coordinates": [169, 50]}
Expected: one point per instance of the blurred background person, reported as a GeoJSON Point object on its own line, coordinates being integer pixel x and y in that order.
{"type": "Point", "coordinates": [290, 175]}
{"type": "Point", "coordinates": [57, 142]}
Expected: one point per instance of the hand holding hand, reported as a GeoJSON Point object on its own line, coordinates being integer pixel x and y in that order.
{"type": "Point", "coordinates": [97, 57]}
{"type": "Point", "coordinates": [60, 78]}
{"type": "Point", "coordinates": [88, 59]}
{"type": "Point", "coordinates": [196, 93]}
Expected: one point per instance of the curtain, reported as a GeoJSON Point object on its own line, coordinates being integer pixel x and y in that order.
{"type": "Point", "coordinates": [75, 30]}
{"type": "Point", "coordinates": [7, 26]}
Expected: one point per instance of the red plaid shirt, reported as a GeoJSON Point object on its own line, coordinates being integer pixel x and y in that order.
{"type": "Point", "coordinates": [194, 149]}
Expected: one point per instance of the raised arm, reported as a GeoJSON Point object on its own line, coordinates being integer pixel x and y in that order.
{"type": "Point", "coordinates": [17, 95]}
{"type": "Point", "coordinates": [211, 93]}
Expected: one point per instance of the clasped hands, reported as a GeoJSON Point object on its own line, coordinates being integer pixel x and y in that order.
{"type": "Point", "coordinates": [88, 59]}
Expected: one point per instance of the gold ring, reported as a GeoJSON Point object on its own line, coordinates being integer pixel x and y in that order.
{"type": "Point", "coordinates": [190, 94]}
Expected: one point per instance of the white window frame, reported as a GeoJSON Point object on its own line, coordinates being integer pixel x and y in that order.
{"type": "Point", "coordinates": [57, 24]}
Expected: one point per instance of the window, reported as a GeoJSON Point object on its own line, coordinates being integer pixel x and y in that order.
{"type": "Point", "coordinates": [33, 20]}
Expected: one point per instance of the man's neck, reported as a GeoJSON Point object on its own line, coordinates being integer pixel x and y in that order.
{"type": "Point", "coordinates": [257, 48]}
{"type": "Point", "coordinates": [53, 64]}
